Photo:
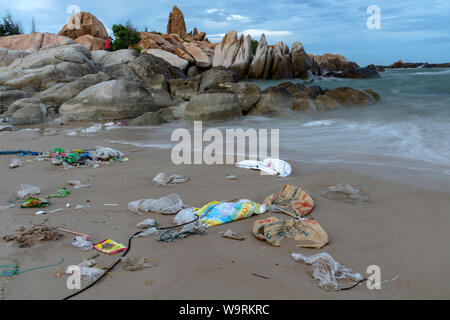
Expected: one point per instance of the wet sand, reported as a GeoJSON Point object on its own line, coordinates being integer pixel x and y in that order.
{"type": "Point", "coordinates": [403, 229]}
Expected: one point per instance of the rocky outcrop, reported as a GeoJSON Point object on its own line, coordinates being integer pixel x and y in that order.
{"type": "Point", "coordinates": [45, 68]}
{"type": "Point", "coordinates": [333, 62]}
{"type": "Point", "coordinates": [347, 96]}
{"type": "Point", "coordinates": [185, 88]}
{"type": "Point", "coordinates": [176, 22]}
{"type": "Point", "coordinates": [326, 103]}
{"type": "Point", "coordinates": [301, 62]}
{"type": "Point", "coordinates": [360, 73]}
{"type": "Point", "coordinates": [247, 93]}
{"type": "Point", "coordinates": [243, 58]}
{"type": "Point", "coordinates": [170, 58]}
{"type": "Point", "coordinates": [81, 24]}
{"type": "Point", "coordinates": [213, 105]}
{"type": "Point", "coordinates": [110, 100]}
{"type": "Point", "coordinates": [281, 66]}
{"type": "Point", "coordinates": [29, 111]}
{"type": "Point", "coordinates": [91, 43]}
{"type": "Point", "coordinates": [212, 78]}
{"type": "Point", "coordinates": [404, 65]}
{"type": "Point", "coordinates": [8, 96]}
{"type": "Point", "coordinates": [7, 56]}
{"type": "Point", "coordinates": [106, 58]}
{"type": "Point", "coordinates": [148, 118]}
{"type": "Point", "coordinates": [34, 41]}
{"type": "Point", "coordinates": [226, 50]}
{"type": "Point", "coordinates": [258, 65]}
{"type": "Point", "coordinates": [273, 99]}
{"type": "Point", "coordinates": [201, 58]}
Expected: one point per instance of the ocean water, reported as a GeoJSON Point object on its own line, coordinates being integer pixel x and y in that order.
{"type": "Point", "coordinates": [405, 137]}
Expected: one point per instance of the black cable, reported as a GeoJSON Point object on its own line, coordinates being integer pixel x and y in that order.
{"type": "Point", "coordinates": [356, 284]}
{"type": "Point", "coordinates": [123, 255]}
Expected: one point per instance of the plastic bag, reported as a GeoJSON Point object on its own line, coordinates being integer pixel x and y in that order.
{"type": "Point", "coordinates": [345, 192]}
{"type": "Point", "coordinates": [326, 270]}
{"type": "Point", "coordinates": [93, 129]}
{"type": "Point", "coordinates": [291, 200]}
{"type": "Point", "coordinates": [185, 216]}
{"type": "Point", "coordinates": [82, 243]}
{"type": "Point", "coordinates": [148, 232]}
{"type": "Point", "coordinates": [27, 190]}
{"type": "Point", "coordinates": [91, 273]}
{"type": "Point", "coordinates": [216, 213]}
{"type": "Point", "coordinates": [15, 163]}
{"type": "Point", "coordinates": [105, 153]}
{"type": "Point", "coordinates": [170, 204]}
{"type": "Point", "coordinates": [275, 167]}
{"type": "Point", "coordinates": [162, 179]}
{"type": "Point", "coordinates": [147, 223]}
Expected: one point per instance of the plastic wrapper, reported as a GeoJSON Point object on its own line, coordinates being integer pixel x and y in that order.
{"type": "Point", "coordinates": [93, 129]}
{"type": "Point", "coordinates": [326, 270]}
{"type": "Point", "coordinates": [82, 243]}
{"type": "Point", "coordinates": [27, 190]}
{"type": "Point", "coordinates": [184, 216]}
{"type": "Point", "coordinates": [147, 223]}
{"type": "Point", "coordinates": [91, 273]}
{"type": "Point", "coordinates": [274, 167]}
{"type": "Point", "coordinates": [170, 204]}
{"type": "Point", "coordinates": [162, 179]}
{"type": "Point", "coordinates": [346, 193]}
{"type": "Point", "coordinates": [105, 153]}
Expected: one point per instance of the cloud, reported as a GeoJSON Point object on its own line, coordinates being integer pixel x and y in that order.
{"type": "Point", "coordinates": [209, 11]}
{"type": "Point", "coordinates": [237, 17]}
{"type": "Point", "coordinates": [256, 33]}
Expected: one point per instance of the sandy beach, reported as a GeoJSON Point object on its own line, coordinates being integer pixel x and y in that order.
{"type": "Point", "coordinates": [403, 229]}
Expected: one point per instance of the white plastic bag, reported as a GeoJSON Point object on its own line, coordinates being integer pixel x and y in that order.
{"type": "Point", "coordinates": [105, 153]}
{"type": "Point", "coordinates": [93, 129]}
{"type": "Point", "coordinates": [15, 162]}
{"type": "Point", "coordinates": [147, 223]}
{"type": "Point", "coordinates": [275, 167]}
{"type": "Point", "coordinates": [82, 243]}
{"type": "Point", "coordinates": [148, 232]}
{"type": "Point", "coordinates": [27, 190]}
{"type": "Point", "coordinates": [184, 216]}
{"type": "Point", "coordinates": [162, 179]}
{"type": "Point", "coordinates": [170, 204]}
{"type": "Point", "coordinates": [327, 270]}
{"type": "Point", "coordinates": [91, 273]}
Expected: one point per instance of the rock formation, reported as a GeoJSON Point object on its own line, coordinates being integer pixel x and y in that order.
{"type": "Point", "coordinates": [34, 41]}
{"type": "Point", "coordinates": [176, 22]}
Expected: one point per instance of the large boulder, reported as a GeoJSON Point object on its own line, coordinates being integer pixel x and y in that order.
{"type": "Point", "coordinates": [282, 67]}
{"type": "Point", "coordinates": [34, 41]}
{"type": "Point", "coordinates": [213, 105]}
{"type": "Point", "coordinates": [116, 57]}
{"type": "Point", "coordinates": [347, 96]}
{"type": "Point", "coordinates": [333, 62]}
{"type": "Point", "coordinates": [226, 50]}
{"type": "Point", "coordinates": [273, 99]}
{"type": "Point", "coordinates": [247, 93]}
{"type": "Point", "coordinates": [91, 43]}
{"type": "Point", "coordinates": [148, 118]}
{"type": "Point", "coordinates": [115, 99]}
{"type": "Point", "coordinates": [9, 96]}
{"type": "Point", "coordinates": [244, 57]}
{"type": "Point", "coordinates": [121, 71]}
{"type": "Point", "coordinates": [55, 96]}
{"type": "Point", "coordinates": [32, 112]}
{"type": "Point", "coordinates": [83, 23]}
{"type": "Point", "coordinates": [170, 58]}
{"type": "Point", "coordinates": [8, 56]}
{"type": "Point", "coordinates": [212, 78]}
{"type": "Point", "coordinates": [326, 103]}
{"type": "Point", "coordinates": [304, 104]}
{"type": "Point", "coordinates": [19, 104]}
{"type": "Point", "coordinates": [45, 68]}
{"type": "Point", "coordinates": [202, 59]}
{"type": "Point", "coordinates": [257, 67]}
{"type": "Point", "coordinates": [176, 22]}
{"type": "Point", "coordinates": [151, 40]}
{"type": "Point", "coordinates": [185, 88]}
{"type": "Point", "coordinates": [301, 62]}
{"type": "Point", "coordinates": [147, 66]}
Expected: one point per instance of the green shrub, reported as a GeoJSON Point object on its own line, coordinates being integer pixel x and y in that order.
{"type": "Point", "coordinates": [138, 49]}
{"type": "Point", "coordinates": [254, 46]}
{"type": "Point", "coordinates": [9, 27]}
{"type": "Point", "coordinates": [126, 36]}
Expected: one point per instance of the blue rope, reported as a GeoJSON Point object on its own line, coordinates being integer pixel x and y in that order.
{"type": "Point", "coordinates": [15, 269]}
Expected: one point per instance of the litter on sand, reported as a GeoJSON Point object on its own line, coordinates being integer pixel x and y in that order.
{"type": "Point", "coordinates": [36, 234]}
{"type": "Point", "coordinates": [109, 246]}
{"type": "Point", "coordinates": [91, 273]}
{"type": "Point", "coordinates": [230, 234]}
{"type": "Point", "coordinates": [136, 264]}
{"type": "Point", "coordinates": [326, 270]}
{"type": "Point", "coordinates": [274, 230]}
{"type": "Point", "coordinates": [35, 203]}
{"type": "Point", "coordinates": [147, 223]}
{"type": "Point", "coordinates": [62, 193]}
{"type": "Point", "coordinates": [162, 179]}
{"type": "Point", "coordinates": [269, 166]}
{"type": "Point", "coordinates": [27, 190]}
{"type": "Point", "coordinates": [231, 177]}
{"type": "Point", "coordinates": [79, 157]}
{"type": "Point", "coordinates": [216, 213]}
{"type": "Point", "coordinates": [82, 243]}
{"type": "Point", "coordinates": [148, 232]}
{"type": "Point", "coordinates": [291, 200]}
{"type": "Point", "coordinates": [346, 193]}
{"type": "Point", "coordinates": [170, 204]}
{"type": "Point", "coordinates": [93, 129]}
{"type": "Point", "coordinates": [15, 162]}
{"type": "Point", "coordinates": [77, 184]}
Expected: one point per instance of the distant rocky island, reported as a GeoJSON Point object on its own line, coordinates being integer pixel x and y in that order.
{"type": "Point", "coordinates": [164, 77]}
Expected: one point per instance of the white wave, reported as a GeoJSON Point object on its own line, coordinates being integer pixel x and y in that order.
{"type": "Point", "coordinates": [318, 123]}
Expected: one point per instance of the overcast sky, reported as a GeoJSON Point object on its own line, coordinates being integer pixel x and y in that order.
{"type": "Point", "coordinates": [412, 30]}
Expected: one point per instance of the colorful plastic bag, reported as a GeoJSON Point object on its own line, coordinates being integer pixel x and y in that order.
{"type": "Point", "coordinates": [216, 213]}
{"type": "Point", "coordinates": [35, 203]}
{"type": "Point", "coordinates": [291, 200]}
{"type": "Point", "coordinates": [110, 246]}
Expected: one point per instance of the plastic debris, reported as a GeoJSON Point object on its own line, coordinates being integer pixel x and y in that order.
{"type": "Point", "coordinates": [170, 204]}
{"type": "Point", "coordinates": [93, 129]}
{"type": "Point", "coordinates": [27, 190]}
{"type": "Point", "coordinates": [62, 193]}
{"type": "Point", "coordinates": [216, 213]}
{"type": "Point", "coordinates": [7, 207]}
{"type": "Point", "coordinates": [80, 206]}
{"type": "Point", "coordinates": [231, 177]}
{"type": "Point", "coordinates": [184, 216]}
{"type": "Point", "coordinates": [109, 246]}
{"type": "Point", "coordinates": [15, 162]}
{"type": "Point", "coordinates": [106, 154]}
{"type": "Point", "coordinates": [91, 273]}
{"type": "Point", "coordinates": [326, 270]}
{"type": "Point", "coordinates": [35, 203]}
{"type": "Point", "coordinates": [82, 243]}
{"type": "Point", "coordinates": [148, 232]}
{"type": "Point", "coordinates": [230, 234]}
{"type": "Point", "coordinates": [291, 200]}
{"type": "Point", "coordinates": [136, 264]}
{"type": "Point", "coordinates": [274, 230]}
{"type": "Point", "coordinates": [147, 223]}
{"type": "Point", "coordinates": [345, 192]}
{"type": "Point", "coordinates": [162, 179]}
{"type": "Point", "coordinates": [87, 263]}
{"type": "Point", "coordinates": [274, 167]}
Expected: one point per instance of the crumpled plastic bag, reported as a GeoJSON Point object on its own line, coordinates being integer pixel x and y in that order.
{"type": "Point", "coordinates": [27, 190]}
{"type": "Point", "coordinates": [15, 162]}
{"type": "Point", "coordinates": [135, 264]}
{"type": "Point", "coordinates": [162, 179]}
{"type": "Point", "coordinates": [170, 204]}
{"type": "Point", "coordinates": [274, 230]}
{"type": "Point", "coordinates": [147, 223]}
{"type": "Point", "coordinates": [274, 167]}
{"type": "Point", "coordinates": [82, 243]}
{"type": "Point", "coordinates": [216, 212]}
{"type": "Point", "coordinates": [91, 273]}
{"type": "Point", "coordinates": [345, 192]}
{"type": "Point", "coordinates": [148, 232]}
{"type": "Point", "coordinates": [291, 200]}
{"type": "Point", "coordinates": [185, 216]}
{"type": "Point", "coordinates": [93, 129]}
{"type": "Point", "coordinates": [326, 270]}
{"type": "Point", "coordinates": [106, 153]}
